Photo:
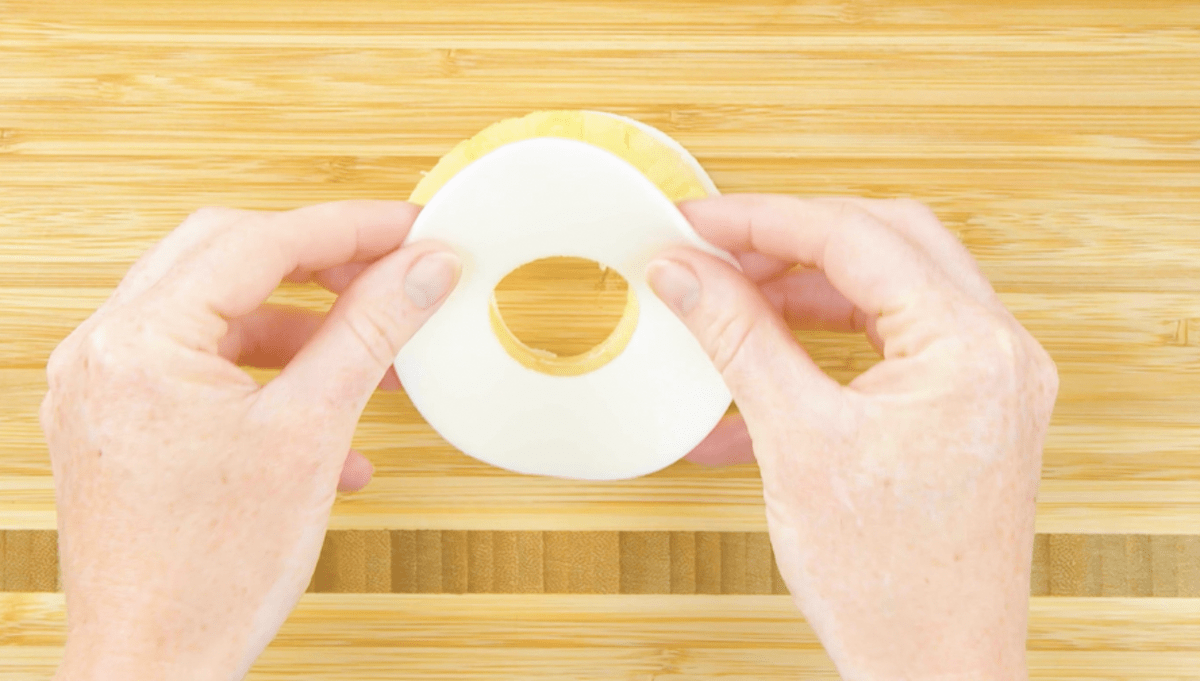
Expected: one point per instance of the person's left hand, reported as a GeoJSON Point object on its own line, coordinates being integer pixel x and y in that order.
{"type": "Point", "coordinates": [192, 502]}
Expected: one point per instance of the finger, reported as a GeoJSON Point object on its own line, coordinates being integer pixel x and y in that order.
{"type": "Point", "coordinates": [349, 355]}
{"type": "Point", "coordinates": [758, 267]}
{"type": "Point", "coordinates": [269, 336]}
{"type": "Point", "coordinates": [243, 262]}
{"type": "Point", "coordinates": [921, 226]}
{"type": "Point", "coordinates": [356, 472]}
{"type": "Point", "coordinates": [746, 339]}
{"type": "Point", "coordinates": [875, 268]}
{"type": "Point", "coordinates": [912, 219]}
{"type": "Point", "coordinates": [196, 229]}
{"type": "Point", "coordinates": [807, 300]}
{"type": "Point", "coordinates": [339, 277]}
{"type": "Point", "coordinates": [728, 444]}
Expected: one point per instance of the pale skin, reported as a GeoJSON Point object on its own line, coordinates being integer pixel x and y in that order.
{"type": "Point", "coordinates": [193, 502]}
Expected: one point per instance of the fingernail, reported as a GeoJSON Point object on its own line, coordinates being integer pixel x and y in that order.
{"type": "Point", "coordinates": [430, 278]}
{"type": "Point", "coordinates": [675, 283]}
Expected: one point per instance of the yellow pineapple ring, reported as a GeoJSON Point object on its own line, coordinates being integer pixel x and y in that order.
{"type": "Point", "coordinates": [663, 161]}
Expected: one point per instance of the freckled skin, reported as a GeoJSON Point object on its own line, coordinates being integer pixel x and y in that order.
{"type": "Point", "coordinates": [900, 507]}
{"type": "Point", "coordinates": [192, 503]}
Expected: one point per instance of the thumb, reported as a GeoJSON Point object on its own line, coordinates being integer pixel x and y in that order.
{"type": "Point", "coordinates": [372, 319]}
{"type": "Point", "coordinates": [748, 341]}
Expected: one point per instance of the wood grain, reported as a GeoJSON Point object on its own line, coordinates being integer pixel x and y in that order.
{"type": "Point", "coordinates": [342, 636]}
{"type": "Point", "coordinates": [675, 499]}
{"type": "Point", "coordinates": [330, 621]}
{"type": "Point", "coordinates": [481, 561]}
{"type": "Point", "coordinates": [1059, 141]}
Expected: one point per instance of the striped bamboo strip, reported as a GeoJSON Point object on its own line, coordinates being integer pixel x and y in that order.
{"type": "Point", "coordinates": [455, 561]}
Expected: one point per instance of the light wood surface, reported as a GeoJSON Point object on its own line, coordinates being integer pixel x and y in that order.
{"type": "Point", "coordinates": [385, 636]}
{"type": "Point", "coordinates": [1060, 141]}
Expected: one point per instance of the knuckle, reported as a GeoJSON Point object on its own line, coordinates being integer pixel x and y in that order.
{"type": "Point", "coordinates": [729, 333]}
{"type": "Point", "coordinates": [1003, 355]}
{"type": "Point", "coordinates": [380, 334]}
{"type": "Point", "coordinates": [986, 348]}
{"type": "Point", "coordinates": [211, 222]}
{"type": "Point", "coordinates": [209, 215]}
{"type": "Point", "coordinates": [66, 357]}
{"type": "Point", "coordinates": [46, 412]}
{"type": "Point", "coordinates": [1044, 373]}
{"type": "Point", "coordinates": [1050, 378]}
{"type": "Point", "coordinates": [68, 354]}
{"type": "Point", "coordinates": [107, 349]}
{"type": "Point", "coordinates": [849, 213]}
{"type": "Point", "coordinates": [59, 363]}
{"type": "Point", "coordinates": [914, 210]}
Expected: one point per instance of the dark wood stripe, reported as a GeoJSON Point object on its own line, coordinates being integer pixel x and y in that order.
{"type": "Point", "coordinates": [645, 562]}
{"type": "Point", "coordinates": [453, 561]}
{"type": "Point", "coordinates": [28, 560]}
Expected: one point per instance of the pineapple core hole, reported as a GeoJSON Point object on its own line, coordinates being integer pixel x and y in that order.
{"type": "Point", "coordinates": [563, 316]}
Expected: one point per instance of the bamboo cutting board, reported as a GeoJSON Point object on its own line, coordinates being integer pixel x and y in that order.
{"type": "Point", "coordinates": [1061, 142]}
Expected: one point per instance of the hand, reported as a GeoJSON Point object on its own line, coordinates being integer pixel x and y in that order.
{"type": "Point", "coordinates": [192, 503]}
{"type": "Point", "coordinates": [901, 506]}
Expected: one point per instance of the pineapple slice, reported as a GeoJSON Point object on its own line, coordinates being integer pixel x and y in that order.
{"type": "Point", "coordinates": [659, 158]}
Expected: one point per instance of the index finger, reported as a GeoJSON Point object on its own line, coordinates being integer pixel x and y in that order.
{"type": "Point", "coordinates": [239, 267]}
{"type": "Point", "coordinates": [878, 270]}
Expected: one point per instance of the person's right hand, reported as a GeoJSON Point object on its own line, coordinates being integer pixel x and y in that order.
{"type": "Point", "coordinates": [900, 506]}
